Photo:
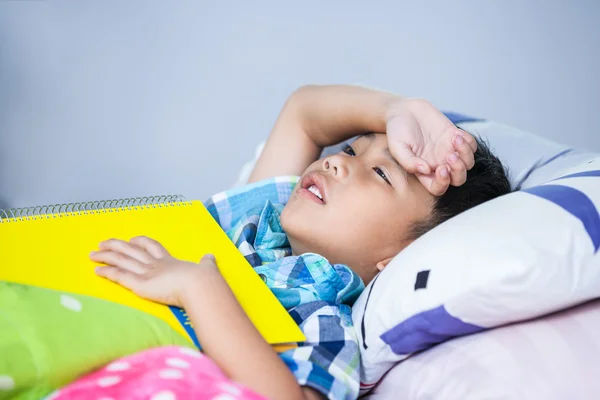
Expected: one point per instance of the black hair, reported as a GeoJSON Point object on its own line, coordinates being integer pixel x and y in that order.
{"type": "Point", "coordinates": [487, 180]}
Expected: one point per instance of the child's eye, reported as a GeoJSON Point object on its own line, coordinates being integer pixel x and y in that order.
{"type": "Point", "coordinates": [349, 150]}
{"type": "Point", "coordinates": [380, 172]}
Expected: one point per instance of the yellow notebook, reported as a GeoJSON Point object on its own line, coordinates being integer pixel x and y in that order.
{"type": "Point", "coordinates": [49, 247]}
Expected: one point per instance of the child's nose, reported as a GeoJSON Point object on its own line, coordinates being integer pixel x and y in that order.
{"type": "Point", "coordinates": [336, 165]}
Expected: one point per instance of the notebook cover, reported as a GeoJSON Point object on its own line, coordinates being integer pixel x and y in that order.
{"type": "Point", "coordinates": [52, 251]}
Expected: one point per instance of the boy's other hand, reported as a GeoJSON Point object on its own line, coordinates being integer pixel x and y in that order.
{"type": "Point", "coordinates": [145, 267]}
{"type": "Point", "coordinates": [426, 143]}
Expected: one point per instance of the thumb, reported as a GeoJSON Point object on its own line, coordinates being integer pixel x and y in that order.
{"type": "Point", "coordinates": [409, 161]}
{"type": "Point", "coordinates": [208, 258]}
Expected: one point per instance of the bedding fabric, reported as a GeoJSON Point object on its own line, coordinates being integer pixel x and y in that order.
{"type": "Point", "coordinates": [551, 358]}
{"type": "Point", "coordinates": [531, 160]}
{"type": "Point", "coordinates": [163, 373]}
{"type": "Point", "coordinates": [517, 257]}
{"type": "Point", "coordinates": [49, 338]}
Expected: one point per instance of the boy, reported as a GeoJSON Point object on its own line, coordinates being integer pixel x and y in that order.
{"type": "Point", "coordinates": [318, 240]}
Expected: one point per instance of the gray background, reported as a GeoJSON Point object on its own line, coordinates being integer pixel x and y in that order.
{"type": "Point", "coordinates": [111, 99]}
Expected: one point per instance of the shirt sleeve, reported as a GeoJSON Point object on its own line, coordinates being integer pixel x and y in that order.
{"type": "Point", "coordinates": [328, 361]}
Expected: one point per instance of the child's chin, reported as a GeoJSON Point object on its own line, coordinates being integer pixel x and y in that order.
{"type": "Point", "coordinates": [296, 219]}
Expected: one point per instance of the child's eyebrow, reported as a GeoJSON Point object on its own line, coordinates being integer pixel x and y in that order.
{"type": "Point", "coordinates": [370, 136]}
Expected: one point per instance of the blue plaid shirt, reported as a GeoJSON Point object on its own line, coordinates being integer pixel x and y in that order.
{"type": "Point", "coordinates": [317, 294]}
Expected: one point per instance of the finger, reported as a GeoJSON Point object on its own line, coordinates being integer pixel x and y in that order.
{"type": "Point", "coordinates": [208, 259]}
{"type": "Point", "coordinates": [464, 151]}
{"type": "Point", "coordinates": [408, 160]}
{"type": "Point", "coordinates": [122, 277]}
{"type": "Point", "coordinates": [119, 260]}
{"type": "Point", "coordinates": [121, 246]}
{"type": "Point", "coordinates": [151, 246]}
{"type": "Point", "coordinates": [469, 139]}
{"type": "Point", "coordinates": [458, 169]}
{"type": "Point", "coordinates": [441, 181]}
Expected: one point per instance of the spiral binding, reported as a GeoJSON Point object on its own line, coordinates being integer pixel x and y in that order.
{"type": "Point", "coordinates": [90, 207]}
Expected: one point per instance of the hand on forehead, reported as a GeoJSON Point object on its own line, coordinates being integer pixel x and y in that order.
{"type": "Point", "coordinates": [426, 143]}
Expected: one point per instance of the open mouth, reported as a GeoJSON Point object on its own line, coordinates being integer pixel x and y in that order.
{"type": "Point", "coordinates": [315, 190]}
{"type": "Point", "coordinates": [312, 187]}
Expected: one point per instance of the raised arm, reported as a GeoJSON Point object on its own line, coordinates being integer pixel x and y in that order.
{"type": "Point", "coordinates": [423, 140]}
{"type": "Point", "coordinates": [319, 116]}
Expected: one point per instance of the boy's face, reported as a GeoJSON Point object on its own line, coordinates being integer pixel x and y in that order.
{"type": "Point", "coordinates": [356, 207]}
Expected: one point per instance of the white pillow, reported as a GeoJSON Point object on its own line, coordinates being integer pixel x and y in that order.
{"type": "Point", "coordinates": [514, 258]}
{"type": "Point", "coordinates": [550, 358]}
{"type": "Point", "coordinates": [531, 159]}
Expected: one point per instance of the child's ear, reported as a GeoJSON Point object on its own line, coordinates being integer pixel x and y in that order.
{"type": "Point", "coordinates": [382, 264]}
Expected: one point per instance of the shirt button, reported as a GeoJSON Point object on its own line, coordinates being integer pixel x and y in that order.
{"type": "Point", "coordinates": [263, 277]}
